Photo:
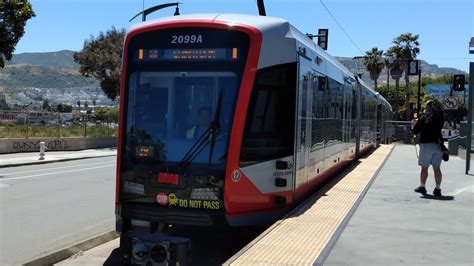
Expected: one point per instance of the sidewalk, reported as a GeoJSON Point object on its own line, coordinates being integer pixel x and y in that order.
{"type": "Point", "coordinates": [394, 225]}
{"type": "Point", "coordinates": [31, 158]}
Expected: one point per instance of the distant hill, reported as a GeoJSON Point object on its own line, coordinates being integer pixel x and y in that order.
{"type": "Point", "coordinates": [25, 76]}
{"type": "Point", "coordinates": [31, 77]}
{"type": "Point", "coordinates": [59, 59]}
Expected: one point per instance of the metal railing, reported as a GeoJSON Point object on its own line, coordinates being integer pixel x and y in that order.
{"type": "Point", "coordinates": [41, 124]}
{"type": "Point", "coordinates": [398, 131]}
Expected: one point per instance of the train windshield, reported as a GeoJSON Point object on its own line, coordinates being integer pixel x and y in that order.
{"type": "Point", "coordinates": [170, 112]}
{"type": "Point", "coordinates": [181, 89]}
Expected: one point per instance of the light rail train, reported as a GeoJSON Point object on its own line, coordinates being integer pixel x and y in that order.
{"type": "Point", "coordinates": [232, 119]}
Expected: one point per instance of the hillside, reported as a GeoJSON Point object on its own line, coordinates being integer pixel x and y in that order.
{"type": "Point", "coordinates": [32, 77]}
{"type": "Point", "coordinates": [24, 76]}
{"type": "Point", "coordinates": [59, 59]}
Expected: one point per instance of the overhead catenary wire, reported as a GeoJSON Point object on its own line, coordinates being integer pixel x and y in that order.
{"type": "Point", "coordinates": [340, 26]}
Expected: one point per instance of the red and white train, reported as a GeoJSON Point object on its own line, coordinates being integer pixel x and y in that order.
{"type": "Point", "coordinates": [233, 119]}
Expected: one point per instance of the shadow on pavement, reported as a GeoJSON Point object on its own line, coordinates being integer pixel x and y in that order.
{"type": "Point", "coordinates": [427, 196]}
{"type": "Point", "coordinates": [115, 258]}
{"type": "Point", "coordinates": [210, 245]}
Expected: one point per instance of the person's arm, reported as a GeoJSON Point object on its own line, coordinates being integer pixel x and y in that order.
{"type": "Point", "coordinates": [418, 125]}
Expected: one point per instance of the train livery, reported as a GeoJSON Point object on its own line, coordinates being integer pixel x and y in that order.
{"type": "Point", "coordinates": [233, 119]}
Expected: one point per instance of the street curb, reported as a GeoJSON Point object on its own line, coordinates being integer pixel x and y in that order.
{"type": "Point", "coordinates": [63, 254]}
{"type": "Point", "coordinates": [53, 161]}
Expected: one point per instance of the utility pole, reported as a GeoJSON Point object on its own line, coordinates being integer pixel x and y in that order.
{"type": "Point", "coordinates": [470, 109]}
{"type": "Point", "coordinates": [418, 103]}
{"type": "Point", "coordinates": [143, 13]}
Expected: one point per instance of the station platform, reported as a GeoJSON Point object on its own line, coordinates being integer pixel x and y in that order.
{"type": "Point", "coordinates": [372, 216]}
{"type": "Point", "coordinates": [369, 215]}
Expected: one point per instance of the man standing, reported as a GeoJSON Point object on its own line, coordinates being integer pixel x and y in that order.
{"type": "Point", "coordinates": [429, 127]}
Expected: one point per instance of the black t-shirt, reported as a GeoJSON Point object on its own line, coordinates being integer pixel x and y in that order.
{"type": "Point", "coordinates": [429, 127]}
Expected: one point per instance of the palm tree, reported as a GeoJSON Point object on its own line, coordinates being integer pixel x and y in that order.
{"type": "Point", "coordinates": [393, 64]}
{"type": "Point", "coordinates": [407, 50]}
{"type": "Point", "coordinates": [374, 63]}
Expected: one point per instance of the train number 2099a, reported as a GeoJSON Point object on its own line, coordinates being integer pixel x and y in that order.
{"type": "Point", "coordinates": [186, 39]}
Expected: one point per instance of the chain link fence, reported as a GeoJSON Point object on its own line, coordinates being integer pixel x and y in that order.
{"type": "Point", "coordinates": [42, 124]}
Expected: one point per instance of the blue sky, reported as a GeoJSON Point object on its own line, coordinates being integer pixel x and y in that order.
{"type": "Point", "coordinates": [445, 26]}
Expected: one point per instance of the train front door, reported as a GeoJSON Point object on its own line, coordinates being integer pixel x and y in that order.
{"type": "Point", "coordinates": [303, 124]}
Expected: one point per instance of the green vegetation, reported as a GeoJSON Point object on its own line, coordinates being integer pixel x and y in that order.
{"type": "Point", "coordinates": [9, 130]}
{"type": "Point", "coordinates": [374, 63]}
{"type": "Point", "coordinates": [405, 48]}
{"type": "Point", "coordinates": [13, 17]}
{"type": "Point", "coordinates": [389, 93]}
{"type": "Point", "coordinates": [63, 108]}
{"type": "Point", "coordinates": [101, 58]}
{"type": "Point", "coordinates": [106, 114]}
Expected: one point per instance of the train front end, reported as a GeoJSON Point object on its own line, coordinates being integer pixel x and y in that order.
{"type": "Point", "coordinates": [183, 86]}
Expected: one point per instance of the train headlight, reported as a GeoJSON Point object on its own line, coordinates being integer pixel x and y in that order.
{"type": "Point", "coordinates": [140, 252]}
{"type": "Point", "coordinates": [159, 253]}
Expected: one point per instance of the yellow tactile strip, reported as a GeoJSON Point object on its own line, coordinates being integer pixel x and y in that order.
{"type": "Point", "coordinates": [299, 238]}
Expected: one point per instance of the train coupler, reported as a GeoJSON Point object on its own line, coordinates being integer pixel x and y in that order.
{"type": "Point", "coordinates": [158, 249]}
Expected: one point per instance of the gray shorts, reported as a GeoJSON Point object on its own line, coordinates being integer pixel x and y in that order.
{"type": "Point", "coordinates": [430, 153]}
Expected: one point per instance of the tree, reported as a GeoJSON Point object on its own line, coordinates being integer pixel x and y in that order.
{"type": "Point", "coordinates": [394, 66]}
{"type": "Point", "coordinates": [101, 58]}
{"type": "Point", "coordinates": [374, 64]}
{"type": "Point", "coordinates": [46, 105]}
{"type": "Point", "coordinates": [407, 49]}
{"type": "Point", "coordinates": [78, 103]}
{"type": "Point", "coordinates": [86, 104]}
{"type": "Point", "coordinates": [64, 108]}
{"type": "Point", "coordinates": [13, 18]}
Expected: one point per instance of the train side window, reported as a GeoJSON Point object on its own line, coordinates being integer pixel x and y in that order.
{"type": "Point", "coordinates": [270, 122]}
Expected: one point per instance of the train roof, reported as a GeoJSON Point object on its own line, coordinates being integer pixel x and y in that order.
{"type": "Point", "coordinates": [276, 28]}
{"type": "Point", "coordinates": [278, 34]}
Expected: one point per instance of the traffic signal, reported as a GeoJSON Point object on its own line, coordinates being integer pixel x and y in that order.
{"type": "Point", "coordinates": [458, 82]}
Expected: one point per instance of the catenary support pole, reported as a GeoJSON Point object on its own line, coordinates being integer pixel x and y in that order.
{"type": "Point", "coordinates": [469, 118]}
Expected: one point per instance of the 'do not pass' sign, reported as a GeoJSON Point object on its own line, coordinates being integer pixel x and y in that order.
{"type": "Point", "coordinates": [450, 103]}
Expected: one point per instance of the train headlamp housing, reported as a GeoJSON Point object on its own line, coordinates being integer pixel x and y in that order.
{"type": "Point", "coordinates": [140, 252]}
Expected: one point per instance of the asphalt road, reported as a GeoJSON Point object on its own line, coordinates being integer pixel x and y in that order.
{"type": "Point", "coordinates": [47, 207]}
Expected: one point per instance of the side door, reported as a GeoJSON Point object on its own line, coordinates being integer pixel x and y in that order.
{"type": "Point", "coordinates": [303, 124]}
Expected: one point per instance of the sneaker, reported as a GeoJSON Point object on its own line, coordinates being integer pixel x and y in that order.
{"type": "Point", "coordinates": [437, 192]}
{"type": "Point", "coordinates": [421, 190]}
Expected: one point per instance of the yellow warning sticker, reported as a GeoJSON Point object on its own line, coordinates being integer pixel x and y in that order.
{"type": "Point", "coordinates": [193, 204]}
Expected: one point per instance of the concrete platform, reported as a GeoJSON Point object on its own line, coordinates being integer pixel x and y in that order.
{"type": "Point", "coordinates": [304, 236]}
{"type": "Point", "coordinates": [393, 225]}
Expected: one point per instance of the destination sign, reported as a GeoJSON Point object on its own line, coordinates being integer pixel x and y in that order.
{"type": "Point", "coordinates": [208, 54]}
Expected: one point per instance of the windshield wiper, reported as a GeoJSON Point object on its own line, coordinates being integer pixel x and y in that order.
{"type": "Point", "coordinates": [215, 126]}
{"type": "Point", "coordinates": [208, 136]}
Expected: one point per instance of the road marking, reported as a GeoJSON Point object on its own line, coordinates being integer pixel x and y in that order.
{"type": "Point", "coordinates": [461, 190]}
{"type": "Point", "coordinates": [54, 173]}
{"type": "Point", "coordinates": [54, 168]}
